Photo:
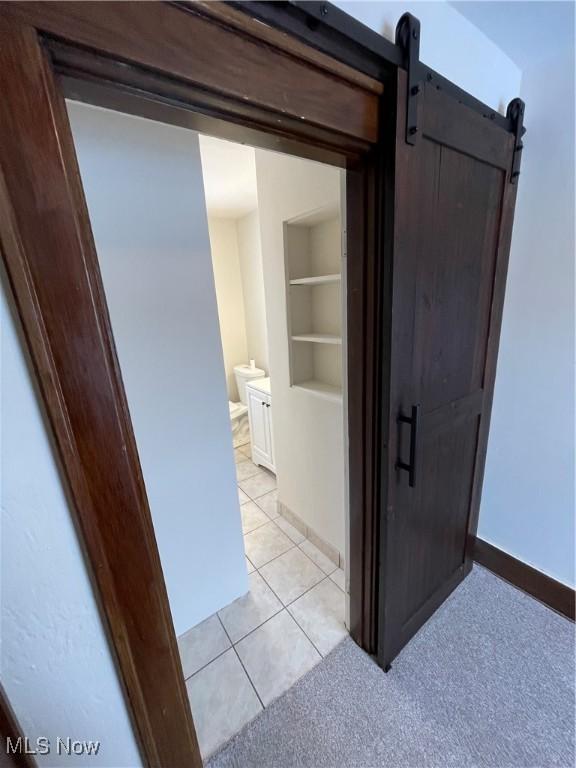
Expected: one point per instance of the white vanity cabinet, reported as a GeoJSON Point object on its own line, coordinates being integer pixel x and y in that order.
{"type": "Point", "coordinates": [260, 416]}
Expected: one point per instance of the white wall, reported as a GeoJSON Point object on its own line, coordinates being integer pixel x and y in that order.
{"type": "Point", "coordinates": [57, 668]}
{"type": "Point", "coordinates": [229, 295]}
{"type": "Point", "coordinates": [250, 250]}
{"type": "Point", "coordinates": [528, 499]}
{"type": "Point", "coordinates": [143, 185]}
{"type": "Point", "coordinates": [450, 44]}
{"type": "Point", "coordinates": [308, 430]}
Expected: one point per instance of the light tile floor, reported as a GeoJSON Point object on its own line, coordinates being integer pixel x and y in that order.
{"type": "Point", "coordinates": [249, 653]}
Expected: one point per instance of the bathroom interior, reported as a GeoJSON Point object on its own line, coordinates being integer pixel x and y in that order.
{"type": "Point", "coordinates": [224, 273]}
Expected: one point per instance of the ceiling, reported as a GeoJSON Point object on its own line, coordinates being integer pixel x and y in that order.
{"type": "Point", "coordinates": [229, 172]}
{"type": "Point", "coordinates": [527, 32]}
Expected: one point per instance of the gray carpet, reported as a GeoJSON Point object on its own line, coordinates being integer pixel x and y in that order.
{"type": "Point", "coordinates": [489, 681]}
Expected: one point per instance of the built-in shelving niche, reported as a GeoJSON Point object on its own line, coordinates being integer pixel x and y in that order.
{"type": "Point", "coordinates": [313, 258]}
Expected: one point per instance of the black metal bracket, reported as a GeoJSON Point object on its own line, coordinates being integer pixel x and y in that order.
{"type": "Point", "coordinates": [408, 39]}
{"type": "Point", "coordinates": [515, 113]}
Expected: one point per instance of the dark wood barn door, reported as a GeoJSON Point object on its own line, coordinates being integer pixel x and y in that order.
{"type": "Point", "coordinates": [423, 310]}
{"type": "Point", "coordinates": [451, 230]}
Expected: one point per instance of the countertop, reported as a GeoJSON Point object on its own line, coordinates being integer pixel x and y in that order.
{"type": "Point", "coordinates": [262, 385]}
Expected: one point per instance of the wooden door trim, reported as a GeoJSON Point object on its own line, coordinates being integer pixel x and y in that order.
{"type": "Point", "coordinates": [52, 265]}
{"type": "Point", "coordinates": [121, 31]}
{"type": "Point", "coordinates": [489, 380]}
{"type": "Point", "coordinates": [16, 756]}
{"type": "Point", "coordinates": [363, 336]}
{"type": "Point", "coordinates": [248, 25]}
{"type": "Point", "coordinates": [547, 590]}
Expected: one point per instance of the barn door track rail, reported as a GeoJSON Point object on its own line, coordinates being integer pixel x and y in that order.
{"type": "Point", "coordinates": [331, 30]}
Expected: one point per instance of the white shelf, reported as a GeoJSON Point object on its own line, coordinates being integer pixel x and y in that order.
{"type": "Point", "coordinates": [313, 260]}
{"type": "Point", "coordinates": [319, 280]}
{"type": "Point", "coordinates": [320, 388]}
{"type": "Point", "coordinates": [318, 338]}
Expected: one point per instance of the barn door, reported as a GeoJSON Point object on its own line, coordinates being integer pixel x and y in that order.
{"type": "Point", "coordinates": [454, 198]}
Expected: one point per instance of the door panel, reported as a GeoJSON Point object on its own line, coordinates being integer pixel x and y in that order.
{"type": "Point", "coordinates": [433, 525]}
{"type": "Point", "coordinates": [451, 189]}
{"type": "Point", "coordinates": [453, 281]}
{"type": "Point", "coordinates": [270, 438]}
{"type": "Point", "coordinates": [258, 429]}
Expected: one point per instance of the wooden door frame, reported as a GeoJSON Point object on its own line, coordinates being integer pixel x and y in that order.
{"type": "Point", "coordinates": [111, 54]}
{"type": "Point", "coordinates": [13, 753]}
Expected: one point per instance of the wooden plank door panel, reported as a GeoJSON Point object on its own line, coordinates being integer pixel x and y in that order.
{"type": "Point", "coordinates": [451, 190]}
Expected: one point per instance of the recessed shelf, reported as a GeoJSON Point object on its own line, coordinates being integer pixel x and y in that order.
{"type": "Point", "coordinates": [318, 280]}
{"type": "Point", "coordinates": [318, 338]}
{"type": "Point", "coordinates": [313, 263]}
{"type": "Point", "coordinates": [320, 388]}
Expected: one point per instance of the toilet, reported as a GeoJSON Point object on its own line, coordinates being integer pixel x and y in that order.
{"type": "Point", "coordinates": [239, 411]}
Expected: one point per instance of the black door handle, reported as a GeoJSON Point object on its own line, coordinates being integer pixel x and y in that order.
{"type": "Point", "coordinates": [411, 466]}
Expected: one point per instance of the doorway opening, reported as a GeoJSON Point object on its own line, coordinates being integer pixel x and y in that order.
{"type": "Point", "coordinates": [224, 274]}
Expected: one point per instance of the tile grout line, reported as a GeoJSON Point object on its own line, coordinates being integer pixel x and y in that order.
{"type": "Point", "coordinates": [247, 476]}
{"type": "Point", "coordinates": [241, 639]}
{"type": "Point", "coordinates": [294, 545]}
{"type": "Point", "coordinates": [318, 651]}
{"type": "Point", "coordinates": [338, 585]}
{"type": "Point", "coordinates": [316, 564]}
{"type": "Point", "coordinates": [287, 605]}
{"type": "Point", "coordinates": [285, 608]}
{"type": "Point", "coordinates": [309, 558]}
{"type": "Point", "coordinates": [241, 663]}
{"type": "Point", "coordinates": [211, 660]}
{"type": "Point", "coordinates": [274, 558]}
{"type": "Point", "coordinates": [253, 498]}
{"type": "Point", "coordinates": [281, 531]}
{"type": "Point", "coordinates": [268, 519]}
{"type": "Point", "coordinates": [296, 620]}
{"type": "Point", "coordinates": [336, 567]}
{"type": "Point", "coordinates": [258, 526]}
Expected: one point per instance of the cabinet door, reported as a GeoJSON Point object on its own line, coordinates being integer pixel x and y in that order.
{"type": "Point", "coordinates": [258, 423]}
{"type": "Point", "coordinates": [269, 436]}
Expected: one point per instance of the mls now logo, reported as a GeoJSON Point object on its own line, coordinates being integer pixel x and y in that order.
{"type": "Point", "coordinates": [43, 746]}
